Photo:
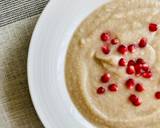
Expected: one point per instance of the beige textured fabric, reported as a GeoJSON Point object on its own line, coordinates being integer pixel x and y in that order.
{"type": "Point", "coordinates": [16, 109]}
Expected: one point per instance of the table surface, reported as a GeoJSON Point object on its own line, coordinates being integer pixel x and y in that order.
{"type": "Point", "coordinates": [17, 21]}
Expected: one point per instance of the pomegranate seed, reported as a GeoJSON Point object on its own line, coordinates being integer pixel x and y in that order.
{"type": "Point", "coordinates": [135, 100]}
{"type": "Point", "coordinates": [143, 43]}
{"type": "Point", "coordinates": [105, 49]}
{"type": "Point", "coordinates": [138, 69]}
{"type": "Point", "coordinates": [145, 67]}
{"type": "Point", "coordinates": [115, 41]}
{"type": "Point", "coordinates": [153, 27]}
{"type": "Point", "coordinates": [122, 62]}
{"type": "Point", "coordinates": [138, 66]}
{"type": "Point", "coordinates": [132, 48]}
{"type": "Point", "coordinates": [140, 61]}
{"type": "Point", "coordinates": [131, 62]}
{"type": "Point", "coordinates": [101, 90]}
{"type": "Point", "coordinates": [138, 102]}
{"type": "Point", "coordinates": [139, 87]}
{"type": "Point", "coordinates": [147, 74]}
{"type": "Point", "coordinates": [105, 78]}
{"type": "Point", "coordinates": [130, 70]}
{"type": "Point", "coordinates": [105, 37]}
{"type": "Point", "coordinates": [130, 83]}
{"type": "Point", "coordinates": [157, 95]}
{"type": "Point", "coordinates": [113, 87]}
{"type": "Point", "coordinates": [122, 49]}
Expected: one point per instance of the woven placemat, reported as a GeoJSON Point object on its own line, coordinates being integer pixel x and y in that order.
{"type": "Point", "coordinates": [17, 21]}
{"type": "Point", "coordinates": [14, 10]}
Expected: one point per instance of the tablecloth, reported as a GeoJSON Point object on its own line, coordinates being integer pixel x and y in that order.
{"type": "Point", "coordinates": [17, 21]}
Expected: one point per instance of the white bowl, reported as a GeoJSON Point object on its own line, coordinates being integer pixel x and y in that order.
{"type": "Point", "coordinates": [46, 62]}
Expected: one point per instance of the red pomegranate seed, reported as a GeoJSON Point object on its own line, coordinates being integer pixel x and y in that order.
{"type": "Point", "coordinates": [138, 102]}
{"type": "Point", "coordinates": [122, 62]}
{"type": "Point", "coordinates": [113, 87]}
{"type": "Point", "coordinates": [105, 77]}
{"type": "Point", "coordinates": [138, 69]}
{"type": "Point", "coordinates": [143, 43]}
{"type": "Point", "coordinates": [135, 100]}
{"type": "Point", "coordinates": [100, 90]}
{"type": "Point", "coordinates": [138, 66]}
{"type": "Point", "coordinates": [139, 87]}
{"type": "Point", "coordinates": [131, 62]}
{"type": "Point", "coordinates": [105, 49]}
{"type": "Point", "coordinates": [105, 37]}
{"type": "Point", "coordinates": [132, 48]}
{"type": "Point", "coordinates": [122, 49]}
{"type": "Point", "coordinates": [157, 95]}
{"type": "Point", "coordinates": [147, 74]}
{"type": "Point", "coordinates": [153, 27]}
{"type": "Point", "coordinates": [130, 70]}
{"type": "Point", "coordinates": [115, 41]}
{"type": "Point", "coordinates": [145, 67]}
{"type": "Point", "coordinates": [140, 61]}
{"type": "Point", "coordinates": [130, 83]}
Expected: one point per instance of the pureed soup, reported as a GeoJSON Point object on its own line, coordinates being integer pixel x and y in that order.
{"type": "Point", "coordinates": [113, 65]}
